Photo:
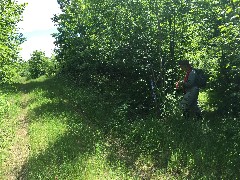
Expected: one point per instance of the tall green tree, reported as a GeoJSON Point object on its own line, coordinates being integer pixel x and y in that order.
{"type": "Point", "coordinates": [10, 38]}
{"type": "Point", "coordinates": [38, 64]}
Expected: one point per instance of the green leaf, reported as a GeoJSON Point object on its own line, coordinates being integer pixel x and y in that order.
{"type": "Point", "coordinates": [229, 9]}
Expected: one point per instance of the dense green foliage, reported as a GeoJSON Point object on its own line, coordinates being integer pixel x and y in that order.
{"type": "Point", "coordinates": [39, 65]}
{"type": "Point", "coordinates": [132, 47]}
{"type": "Point", "coordinates": [10, 39]}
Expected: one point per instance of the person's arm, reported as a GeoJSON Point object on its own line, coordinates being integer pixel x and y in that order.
{"type": "Point", "coordinates": [191, 80]}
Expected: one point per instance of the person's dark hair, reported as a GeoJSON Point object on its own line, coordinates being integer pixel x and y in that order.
{"type": "Point", "coordinates": [183, 62]}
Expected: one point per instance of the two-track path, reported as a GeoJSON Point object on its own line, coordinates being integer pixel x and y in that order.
{"type": "Point", "coordinates": [19, 151]}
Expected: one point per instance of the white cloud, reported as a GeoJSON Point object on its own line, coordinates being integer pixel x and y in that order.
{"type": "Point", "coordinates": [37, 26]}
{"type": "Point", "coordinates": [43, 43]}
{"type": "Point", "coordinates": [37, 15]}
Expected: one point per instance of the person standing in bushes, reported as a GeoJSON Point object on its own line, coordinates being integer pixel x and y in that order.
{"type": "Point", "coordinates": [189, 103]}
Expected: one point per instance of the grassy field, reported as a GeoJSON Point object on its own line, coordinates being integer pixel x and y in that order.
{"type": "Point", "coordinates": [51, 129]}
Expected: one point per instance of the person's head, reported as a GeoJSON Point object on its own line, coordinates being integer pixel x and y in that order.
{"type": "Point", "coordinates": [184, 65]}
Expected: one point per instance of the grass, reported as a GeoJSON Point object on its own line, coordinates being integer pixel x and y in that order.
{"type": "Point", "coordinates": [11, 132]}
{"type": "Point", "coordinates": [75, 132]}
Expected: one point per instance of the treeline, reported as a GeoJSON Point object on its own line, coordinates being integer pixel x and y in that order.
{"type": "Point", "coordinates": [131, 48]}
{"type": "Point", "coordinates": [10, 39]}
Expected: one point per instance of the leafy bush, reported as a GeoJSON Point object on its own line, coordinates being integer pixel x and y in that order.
{"type": "Point", "coordinates": [39, 65]}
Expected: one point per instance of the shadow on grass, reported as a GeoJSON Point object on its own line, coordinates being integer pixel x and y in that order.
{"type": "Point", "coordinates": [56, 159]}
{"type": "Point", "coordinates": [170, 146]}
{"type": "Point", "coordinates": [79, 141]}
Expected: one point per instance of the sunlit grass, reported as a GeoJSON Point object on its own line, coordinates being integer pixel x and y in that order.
{"type": "Point", "coordinates": [43, 134]}
{"type": "Point", "coordinates": [10, 109]}
{"type": "Point", "coordinates": [75, 133]}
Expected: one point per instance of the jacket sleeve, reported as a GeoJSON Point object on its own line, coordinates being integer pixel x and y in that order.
{"type": "Point", "coordinates": [191, 80]}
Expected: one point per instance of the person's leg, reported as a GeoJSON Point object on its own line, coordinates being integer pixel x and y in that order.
{"type": "Point", "coordinates": [186, 114]}
{"type": "Point", "coordinates": [184, 105]}
{"type": "Point", "coordinates": [196, 110]}
{"type": "Point", "coordinates": [195, 107]}
{"type": "Point", "coordinates": [189, 103]}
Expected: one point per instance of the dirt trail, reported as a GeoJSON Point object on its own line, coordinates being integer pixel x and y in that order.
{"type": "Point", "coordinates": [19, 151]}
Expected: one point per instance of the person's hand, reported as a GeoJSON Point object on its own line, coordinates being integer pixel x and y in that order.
{"type": "Point", "coordinates": [179, 84]}
{"type": "Point", "coordinates": [178, 88]}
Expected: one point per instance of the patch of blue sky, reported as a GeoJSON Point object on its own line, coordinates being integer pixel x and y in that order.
{"type": "Point", "coordinates": [46, 32]}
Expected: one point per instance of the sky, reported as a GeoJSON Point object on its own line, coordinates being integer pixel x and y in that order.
{"type": "Point", "coordinates": [37, 26]}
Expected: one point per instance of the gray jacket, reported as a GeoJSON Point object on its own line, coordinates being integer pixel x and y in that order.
{"type": "Point", "coordinates": [191, 82]}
